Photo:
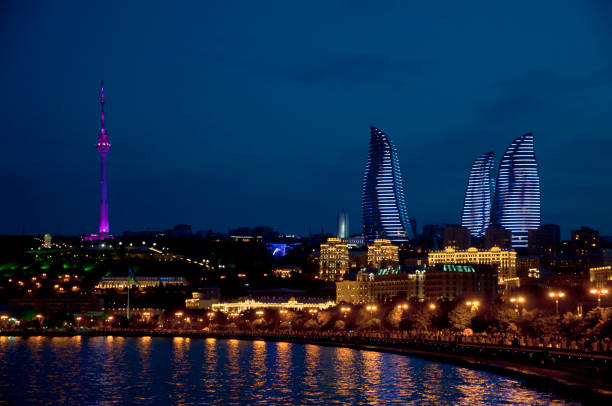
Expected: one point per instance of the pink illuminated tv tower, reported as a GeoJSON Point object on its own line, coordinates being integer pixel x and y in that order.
{"type": "Point", "coordinates": [103, 146]}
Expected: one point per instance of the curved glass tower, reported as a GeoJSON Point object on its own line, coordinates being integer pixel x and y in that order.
{"type": "Point", "coordinates": [516, 206]}
{"type": "Point", "coordinates": [383, 204]}
{"type": "Point", "coordinates": [476, 214]}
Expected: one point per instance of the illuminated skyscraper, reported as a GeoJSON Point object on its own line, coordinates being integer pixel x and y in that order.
{"type": "Point", "coordinates": [343, 225]}
{"type": "Point", "coordinates": [478, 195]}
{"type": "Point", "coordinates": [103, 146]}
{"type": "Point", "coordinates": [516, 206]}
{"type": "Point", "coordinates": [383, 205]}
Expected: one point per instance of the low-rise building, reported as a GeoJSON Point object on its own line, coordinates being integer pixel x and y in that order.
{"type": "Point", "coordinates": [286, 271]}
{"type": "Point", "coordinates": [204, 298]}
{"type": "Point", "coordinates": [240, 306]}
{"type": "Point", "coordinates": [527, 265]}
{"type": "Point", "coordinates": [601, 276]}
{"type": "Point", "coordinates": [382, 286]}
{"type": "Point", "coordinates": [448, 281]}
{"type": "Point", "coordinates": [504, 259]}
{"type": "Point", "coordinates": [122, 282]}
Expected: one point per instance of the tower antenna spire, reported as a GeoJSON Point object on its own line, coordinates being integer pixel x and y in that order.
{"type": "Point", "coordinates": [102, 130]}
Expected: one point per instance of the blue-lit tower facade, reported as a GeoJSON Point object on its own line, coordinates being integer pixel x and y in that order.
{"type": "Point", "coordinates": [343, 225]}
{"type": "Point", "coordinates": [516, 205]}
{"type": "Point", "coordinates": [383, 204]}
{"type": "Point", "coordinates": [478, 198]}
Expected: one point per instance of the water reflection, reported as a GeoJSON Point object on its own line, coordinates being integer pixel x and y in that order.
{"type": "Point", "coordinates": [114, 370]}
{"type": "Point", "coordinates": [180, 370]}
{"type": "Point", "coordinates": [372, 368]}
{"type": "Point", "coordinates": [312, 391]}
{"type": "Point", "coordinates": [346, 383]}
{"type": "Point", "coordinates": [282, 368]}
{"type": "Point", "coordinates": [258, 368]}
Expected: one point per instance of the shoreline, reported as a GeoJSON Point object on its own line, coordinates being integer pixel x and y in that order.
{"type": "Point", "coordinates": [574, 386]}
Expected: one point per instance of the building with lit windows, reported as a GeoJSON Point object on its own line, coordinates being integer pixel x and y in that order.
{"type": "Point", "coordinates": [382, 254]}
{"type": "Point", "coordinates": [516, 205]}
{"type": "Point", "coordinates": [545, 240]}
{"type": "Point", "coordinates": [601, 276]}
{"type": "Point", "coordinates": [382, 286]}
{"type": "Point", "coordinates": [585, 241]}
{"type": "Point", "coordinates": [446, 281]}
{"type": "Point", "coordinates": [333, 260]}
{"type": "Point", "coordinates": [243, 305]}
{"type": "Point", "coordinates": [476, 214]}
{"type": "Point", "coordinates": [204, 298]}
{"type": "Point", "coordinates": [383, 204]}
{"type": "Point", "coordinates": [504, 259]}
{"type": "Point", "coordinates": [122, 282]}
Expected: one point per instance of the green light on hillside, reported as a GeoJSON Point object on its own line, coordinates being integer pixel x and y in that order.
{"type": "Point", "coordinates": [45, 266]}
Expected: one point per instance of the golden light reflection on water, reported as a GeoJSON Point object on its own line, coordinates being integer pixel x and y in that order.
{"type": "Point", "coordinates": [432, 379]}
{"type": "Point", "coordinates": [234, 371]}
{"type": "Point", "coordinates": [210, 367]}
{"type": "Point", "coordinates": [372, 370]}
{"type": "Point", "coordinates": [346, 383]}
{"type": "Point", "coordinates": [282, 368]}
{"type": "Point", "coordinates": [258, 368]}
{"type": "Point", "coordinates": [472, 386]}
{"type": "Point", "coordinates": [180, 364]}
{"type": "Point", "coordinates": [179, 371]}
{"type": "Point", "coordinates": [312, 358]}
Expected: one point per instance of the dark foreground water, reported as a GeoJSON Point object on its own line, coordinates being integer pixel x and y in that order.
{"type": "Point", "coordinates": [115, 370]}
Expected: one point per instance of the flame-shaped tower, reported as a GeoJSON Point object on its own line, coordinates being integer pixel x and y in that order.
{"type": "Point", "coordinates": [103, 146]}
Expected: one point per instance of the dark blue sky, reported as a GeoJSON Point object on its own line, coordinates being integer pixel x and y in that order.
{"type": "Point", "coordinates": [226, 113]}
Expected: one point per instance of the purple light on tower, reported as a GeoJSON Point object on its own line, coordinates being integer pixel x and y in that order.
{"type": "Point", "coordinates": [103, 146]}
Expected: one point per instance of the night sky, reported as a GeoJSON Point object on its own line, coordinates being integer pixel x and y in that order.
{"type": "Point", "coordinates": [236, 113]}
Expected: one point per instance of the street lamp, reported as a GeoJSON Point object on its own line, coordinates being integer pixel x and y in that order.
{"type": "Point", "coordinates": [210, 315]}
{"type": "Point", "coordinates": [517, 301]}
{"type": "Point", "coordinates": [313, 311]}
{"type": "Point", "coordinates": [599, 293]}
{"type": "Point", "coordinates": [402, 306]}
{"type": "Point", "coordinates": [472, 304]}
{"type": "Point", "coordinates": [283, 311]}
{"type": "Point", "coordinates": [556, 296]}
{"type": "Point", "coordinates": [259, 313]}
{"type": "Point", "coordinates": [345, 310]}
{"type": "Point", "coordinates": [432, 306]}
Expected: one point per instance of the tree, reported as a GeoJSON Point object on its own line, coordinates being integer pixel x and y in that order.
{"type": "Point", "coordinates": [394, 318]}
{"type": "Point", "coordinates": [340, 325]}
{"type": "Point", "coordinates": [420, 319]}
{"type": "Point", "coordinates": [460, 318]}
{"type": "Point", "coordinates": [572, 325]}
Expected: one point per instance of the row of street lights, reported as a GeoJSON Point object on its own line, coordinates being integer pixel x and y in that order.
{"type": "Point", "coordinates": [472, 304]}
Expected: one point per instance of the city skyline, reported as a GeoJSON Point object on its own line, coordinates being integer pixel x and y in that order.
{"type": "Point", "coordinates": [306, 202]}
{"type": "Point", "coordinates": [200, 106]}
